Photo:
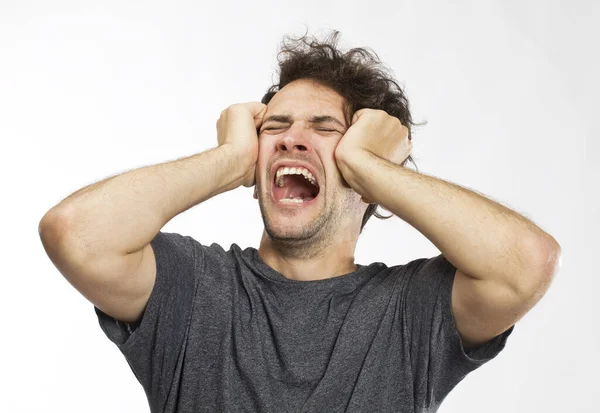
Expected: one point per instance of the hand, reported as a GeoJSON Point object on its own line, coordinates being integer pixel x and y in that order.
{"type": "Point", "coordinates": [238, 127]}
{"type": "Point", "coordinates": [377, 133]}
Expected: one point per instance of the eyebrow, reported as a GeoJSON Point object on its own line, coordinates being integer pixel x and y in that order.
{"type": "Point", "coordinates": [314, 119]}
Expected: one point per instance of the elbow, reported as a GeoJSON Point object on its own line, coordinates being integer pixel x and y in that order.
{"type": "Point", "coordinates": [55, 231]}
{"type": "Point", "coordinates": [55, 218]}
{"type": "Point", "coordinates": [548, 256]}
{"type": "Point", "coordinates": [545, 261]}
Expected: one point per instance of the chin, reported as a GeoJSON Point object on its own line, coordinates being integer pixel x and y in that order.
{"type": "Point", "coordinates": [292, 222]}
{"type": "Point", "coordinates": [281, 228]}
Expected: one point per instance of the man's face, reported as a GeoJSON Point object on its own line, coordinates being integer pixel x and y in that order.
{"type": "Point", "coordinates": [302, 126]}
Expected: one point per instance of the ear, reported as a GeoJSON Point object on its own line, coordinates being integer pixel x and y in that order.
{"type": "Point", "coordinates": [255, 193]}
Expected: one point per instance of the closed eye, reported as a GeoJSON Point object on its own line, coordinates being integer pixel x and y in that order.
{"type": "Point", "coordinates": [281, 127]}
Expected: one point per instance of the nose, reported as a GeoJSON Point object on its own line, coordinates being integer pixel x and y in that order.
{"type": "Point", "coordinates": [293, 143]}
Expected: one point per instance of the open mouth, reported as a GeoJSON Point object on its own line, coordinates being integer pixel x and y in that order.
{"type": "Point", "coordinates": [294, 185]}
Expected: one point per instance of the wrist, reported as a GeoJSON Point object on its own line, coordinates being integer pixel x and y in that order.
{"type": "Point", "coordinates": [238, 161]}
{"type": "Point", "coordinates": [356, 167]}
{"type": "Point", "coordinates": [351, 163]}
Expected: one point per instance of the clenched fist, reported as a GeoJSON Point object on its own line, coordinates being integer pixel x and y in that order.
{"type": "Point", "coordinates": [238, 127]}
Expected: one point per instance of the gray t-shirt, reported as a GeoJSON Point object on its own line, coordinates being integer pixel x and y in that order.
{"type": "Point", "coordinates": [224, 332]}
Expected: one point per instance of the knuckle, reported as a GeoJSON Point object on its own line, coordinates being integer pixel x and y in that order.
{"type": "Point", "coordinates": [404, 130]}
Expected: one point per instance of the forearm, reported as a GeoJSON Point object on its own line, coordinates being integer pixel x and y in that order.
{"type": "Point", "coordinates": [124, 213]}
{"type": "Point", "coordinates": [479, 236]}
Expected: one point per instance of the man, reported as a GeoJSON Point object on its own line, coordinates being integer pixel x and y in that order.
{"type": "Point", "coordinates": [297, 325]}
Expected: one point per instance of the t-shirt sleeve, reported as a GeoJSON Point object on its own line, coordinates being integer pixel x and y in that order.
{"type": "Point", "coordinates": [153, 346]}
{"type": "Point", "coordinates": [439, 360]}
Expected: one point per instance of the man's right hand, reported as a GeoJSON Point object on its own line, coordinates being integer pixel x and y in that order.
{"type": "Point", "coordinates": [238, 127]}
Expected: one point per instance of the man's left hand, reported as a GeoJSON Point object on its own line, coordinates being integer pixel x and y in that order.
{"type": "Point", "coordinates": [373, 132]}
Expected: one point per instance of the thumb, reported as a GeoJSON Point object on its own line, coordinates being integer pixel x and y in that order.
{"type": "Point", "coordinates": [366, 200]}
{"type": "Point", "coordinates": [257, 110]}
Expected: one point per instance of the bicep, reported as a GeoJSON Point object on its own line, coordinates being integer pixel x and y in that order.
{"type": "Point", "coordinates": [120, 286]}
{"type": "Point", "coordinates": [484, 309]}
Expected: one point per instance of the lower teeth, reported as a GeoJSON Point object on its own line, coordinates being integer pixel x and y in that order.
{"type": "Point", "coordinates": [291, 200]}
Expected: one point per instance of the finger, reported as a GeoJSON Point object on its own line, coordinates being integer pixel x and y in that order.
{"type": "Point", "coordinates": [358, 114]}
{"type": "Point", "coordinates": [258, 121]}
{"type": "Point", "coordinates": [256, 108]}
{"type": "Point", "coordinates": [259, 116]}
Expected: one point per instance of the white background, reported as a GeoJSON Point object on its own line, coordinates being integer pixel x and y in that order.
{"type": "Point", "coordinates": [509, 90]}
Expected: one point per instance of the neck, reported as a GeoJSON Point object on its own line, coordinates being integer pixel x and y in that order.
{"type": "Point", "coordinates": [307, 263]}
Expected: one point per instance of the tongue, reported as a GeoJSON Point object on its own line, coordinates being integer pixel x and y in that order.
{"type": "Point", "coordinates": [294, 187]}
{"type": "Point", "coordinates": [296, 192]}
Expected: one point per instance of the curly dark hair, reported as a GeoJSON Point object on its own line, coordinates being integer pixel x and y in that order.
{"type": "Point", "coordinates": [357, 75]}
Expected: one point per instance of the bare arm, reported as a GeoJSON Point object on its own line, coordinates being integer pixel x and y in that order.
{"type": "Point", "coordinates": [124, 213]}
{"type": "Point", "coordinates": [99, 237]}
{"type": "Point", "coordinates": [512, 260]}
{"type": "Point", "coordinates": [505, 263]}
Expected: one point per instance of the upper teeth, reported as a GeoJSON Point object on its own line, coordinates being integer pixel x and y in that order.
{"type": "Point", "coordinates": [294, 171]}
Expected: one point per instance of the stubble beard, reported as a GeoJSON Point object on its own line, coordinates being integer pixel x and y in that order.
{"type": "Point", "coordinates": [309, 241]}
